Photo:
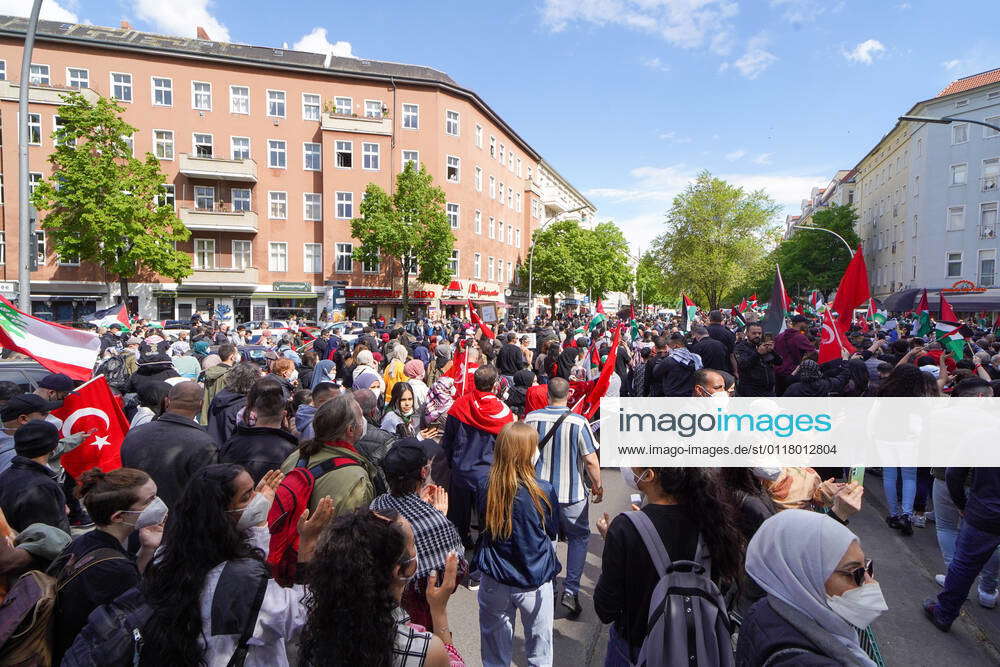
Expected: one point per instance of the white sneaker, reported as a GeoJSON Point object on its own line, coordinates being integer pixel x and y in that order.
{"type": "Point", "coordinates": [939, 578]}
{"type": "Point", "coordinates": [987, 600]}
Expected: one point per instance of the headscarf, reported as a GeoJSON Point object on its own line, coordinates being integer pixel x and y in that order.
{"type": "Point", "coordinates": [366, 378]}
{"type": "Point", "coordinates": [439, 399]}
{"type": "Point", "coordinates": [792, 555]}
{"type": "Point", "coordinates": [414, 368]}
{"type": "Point", "coordinates": [397, 353]}
{"type": "Point", "coordinates": [322, 373]}
{"type": "Point", "coordinates": [567, 359]}
{"type": "Point", "coordinates": [442, 352]}
{"type": "Point", "coordinates": [365, 358]}
{"type": "Point", "coordinates": [201, 347]}
{"type": "Point", "coordinates": [524, 377]}
{"type": "Point", "coordinates": [809, 371]}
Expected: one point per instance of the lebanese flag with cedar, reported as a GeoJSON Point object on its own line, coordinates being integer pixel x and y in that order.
{"type": "Point", "coordinates": [59, 349]}
{"type": "Point", "coordinates": [833, 340]}
{"type": "Point", "coordinates": [92, 407]}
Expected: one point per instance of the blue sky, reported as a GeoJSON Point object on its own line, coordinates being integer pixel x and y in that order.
{"type": "Point", "coordinates": [629, 99]}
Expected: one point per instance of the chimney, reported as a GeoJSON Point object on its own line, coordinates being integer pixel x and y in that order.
{"type": "Point", "coordinates": [125, 25]}
{"type": "Point", "coordinates": [203, 35]}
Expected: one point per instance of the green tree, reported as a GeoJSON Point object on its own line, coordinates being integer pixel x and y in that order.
{"type": "Point", "coordinates": [817, 260]}
{"type": "Point", "coordinates": [553, 264]}
{"type": "Point", "coordinates": [410, 227]}
{"type": "Point", "coordinates": [652, 284]}
{"type": "Point", "coordinates": [103, 205]}
{"type": "Point", "coordinates": [716, 230]}
{"type": "Point", "coordinates": [602, 260]}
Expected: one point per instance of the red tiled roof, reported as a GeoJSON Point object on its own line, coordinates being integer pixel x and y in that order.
{"type": "Point", "coordinates": [970, 82]}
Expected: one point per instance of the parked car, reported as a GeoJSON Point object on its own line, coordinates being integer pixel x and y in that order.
{"type": "Point", "coordinates": [25, 373]}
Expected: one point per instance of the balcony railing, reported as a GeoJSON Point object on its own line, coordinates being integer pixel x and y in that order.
{"type": "Point", "coordinates": [42, 93]}
{"type": "Point", "coordinates": [990, 183]}
{"type": "Point", "coordinates": [249, 276]}
{"type": "Point", "coordinates": [218, 168]}
{"type": "Point", "coordinates": [219, 219]}
{"type": "Point", "coordinates": [988, 231]}
{"type": "Point", "coordinates": [356, 124]}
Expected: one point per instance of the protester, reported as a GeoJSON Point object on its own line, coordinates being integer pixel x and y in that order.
{"type": "Point", "coordinates": [54, 387]}
{"type": "Point", "coordinates": [810, 381]}
{"type": "Point", "coordinates": [674, 372]}
{"type": "Point", "coordinates": [415, 373]}
{"type": "Point", "coordinates": [305, 412]}
{"type": "Point", "coordinates": [791, 346]}
{"type": "Point", "coordinates": [153, 367]}
{"type": "Point", "coordinates": [29, 490]}
{"type": "Point", "coordinates": [150, 403]}
{"type": "Point", "coordinates": [394, 369]}
{"type": "Point", "coordinates": [266, 444]}
{"type": "Point", "coordinates": [399, 413]}
{"type": "Point", "coordinates": [756, 360]}
{"type": "Point", "coordinates": [713, 353]}
{"type": "Point", "coordinates": [18, 411]}
{"type": "Point", "coordinates": [230, 400]}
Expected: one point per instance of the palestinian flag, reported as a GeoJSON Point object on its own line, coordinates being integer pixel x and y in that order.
{"type": "Point", "coordinates": [596, 321]}
{"type": "Point", "coordinates": [109, 316]}
{"type": "Point", "coordinates": [633, 325]}
{"type": "Point", "coordinates": [947, 312]}
{"type": "Point", "coordinates": [739, 319]}
{"type": "Point", "coordinates": [774, 321]}
{"type": "Point", "coordinates": [949, 334]}
{"type": "Point", "coordinates": [816, 300]}
{"type": "Point", "coordinates": [876, 313]}
{"type": "Point", "coordinates": [923, 323]}
{"type": "Point", "coordinates": [743, 306]}
{"type": "Point", "coordinates": [59, 349]}
{"type": "Point", "coordinates": [688, 312]}
{"type": "Point", "coordinates": [753, 300]}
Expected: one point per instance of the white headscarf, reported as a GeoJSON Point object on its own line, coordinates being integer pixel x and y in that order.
{"type": "Point", "coordinates": [792, 555]}
{"type": "Point", "coordinates": [365, 358]}
{"type": "Point", "coordinates": [398, 353]}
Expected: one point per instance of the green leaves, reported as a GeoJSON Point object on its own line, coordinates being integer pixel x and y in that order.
{"type": "Point", "coordinates": [817, 260]}
{"type": "Point", "coordinates": [101, 202]}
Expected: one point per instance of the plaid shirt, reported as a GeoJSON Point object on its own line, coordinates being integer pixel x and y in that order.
{"type": "Point", "coordinates": [433, 533]}
{"type": "Point", "coordinates": [409, 648]}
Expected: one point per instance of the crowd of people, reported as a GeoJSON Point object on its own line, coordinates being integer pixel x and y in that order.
{"type": "Point", "coordinates": [306, 499]}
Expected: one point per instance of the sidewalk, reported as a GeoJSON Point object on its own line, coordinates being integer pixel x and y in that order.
{"type": "Point", "coordinates": [905, 568]}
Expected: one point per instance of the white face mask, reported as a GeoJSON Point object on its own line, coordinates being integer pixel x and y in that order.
{"type": "Point", "coordinates": [152, 514]}
{"type": "Point", "coordinates": [859, 606]}
{"type": "Point", "coordinates": [631, 479]}
{"type": "Point", "coordinates": [254, 513]}
{"type": "Point", "coordinates": [770, 474]}
{"type": "Point", "coordinates": [294, 376]}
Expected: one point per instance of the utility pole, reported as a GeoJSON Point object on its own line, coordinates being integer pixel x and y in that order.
{"type": "Point", "coordinates": [24, 232]}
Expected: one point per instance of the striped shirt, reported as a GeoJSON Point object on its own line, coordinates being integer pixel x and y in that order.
{"type": "Point", "coordinates": [561, 461]}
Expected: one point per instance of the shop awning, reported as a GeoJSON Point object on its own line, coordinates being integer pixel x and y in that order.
{"type": "Point", "coordinates": [454, 302]}
{"type": "Point", "coordinates": [454, 286]}
{"type": "Point", "coordinates": [962, 302]}
{"type": "Point", "coordinates": [286, 295]}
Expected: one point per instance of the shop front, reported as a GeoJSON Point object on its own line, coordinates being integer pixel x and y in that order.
{"type": "Point", "coordinates": [454, 301]}
{"type": "Point", "coordinates": [488, 301]}
{"type": "Point", "coordinates": [364, 303]}
{"type": "Point", "coordinates": [285, 300]}
{"type": "Point", "coordinates": [65, 302]}
{"type": "Point", "coordinates": [517, 302]}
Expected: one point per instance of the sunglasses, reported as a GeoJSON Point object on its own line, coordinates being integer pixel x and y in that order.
{"type": "Point", "coordinates": [858, 574]}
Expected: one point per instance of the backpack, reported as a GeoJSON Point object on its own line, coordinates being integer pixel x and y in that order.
{"type": "Point", "coordinates": [291, 498]}
{"type": "Point", "coordinates": [688, 623]}
{"type": "Point", "coordinates": [115, 372]}
{"type": "Point", "coordinates": [26, 615]}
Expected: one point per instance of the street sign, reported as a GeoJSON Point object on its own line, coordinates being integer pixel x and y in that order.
{"type": "Point", "coordinates": [8, 287]}
{"type": "Point", "coordinates": [292, 287]}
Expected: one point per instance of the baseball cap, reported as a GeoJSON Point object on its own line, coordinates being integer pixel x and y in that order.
{"type": "Point", "coordinates": [408, 456]}
{"type": "Point", "coordinates": [25, 404]}
{"type": "Point", "coordinates": [35, 438]}
{"type": "Point", "coordinates": [56, 382]}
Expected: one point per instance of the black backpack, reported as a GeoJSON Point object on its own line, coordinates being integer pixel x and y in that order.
{"type": "Point", "coordinates": [114, 370]}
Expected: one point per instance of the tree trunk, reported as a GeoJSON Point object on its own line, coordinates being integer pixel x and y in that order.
{"type": "Point", "coordinates": [406, 286]}
{"type": "Point", "coordinates": [552, 305]}
{"type": "Point", "coordinates": [123, 283]}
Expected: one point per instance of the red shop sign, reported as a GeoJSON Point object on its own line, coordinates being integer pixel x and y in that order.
{"type": "Point", "coordinates": [371, 293]}
{"type": "Point", "coordinates": [423, 294]}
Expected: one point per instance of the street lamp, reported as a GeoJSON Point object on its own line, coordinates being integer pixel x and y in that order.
{"type": "Point", "coordinates": [946, 120]}
{"type": "Point", "coordinates": [828, 231]}
{"type": "Point", "coordinates": [531, 257]}
{"type": "Point", "coordinates": [24, 222]}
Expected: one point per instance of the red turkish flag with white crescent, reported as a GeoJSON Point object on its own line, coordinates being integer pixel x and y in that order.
{"type": "Point", "coordinates": [833, 340]}
{"type": "Point", "coordinates": [93, 406]}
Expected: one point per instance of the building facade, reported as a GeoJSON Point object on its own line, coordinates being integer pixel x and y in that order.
{"type": "Point", "coordinates": [267, 154]}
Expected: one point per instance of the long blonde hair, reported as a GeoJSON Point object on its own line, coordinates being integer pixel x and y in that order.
{"type": "Point", "coordinates": [512, 468]}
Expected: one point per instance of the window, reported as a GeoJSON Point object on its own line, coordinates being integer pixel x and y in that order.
{"type": "Point", "coordinates": [312, 258]}
{"type": "Point", "coordinates": [345, 259]}
{"type": "Point", "coordinates": [312, 156]}
{"type": "Point", "coordinates": [203, 145]}
{"type": "Point", "coordinates": [987, 267]}
{"type": "Point", "coordinates": [276, 103]}
{"type": "Point", "coordinates": [343, 105]}
{"type": "Point", "coordinates": [121, 86]}
{"type": "Point", "coordinates": [241, 254]}
{"type": "Point", "coordinates": [414, 267]}
{"type": "Point", "coordinates": [34, 179]}
{"type": "Point", "coordinates": [278, 205]}
{"type": "Point", "coordinates": [453, 262]}
{"type": "Point", "coordinates": [373, 108]}
{"type": "Point", "coordinates": [956, 218]}
{"type": "Point", "coordinates": [478, 222]}
{"type": "Point", "coordinates": [920, 147]}
{"type": "Point", "coordinates": [510, 271]}
{"type": "Point", "coordinates": [3, 247]}
{"type": "Point", "coordinates": [371, 267]}
{"type": "Point", "coordinates": [411, 157]}
{"type": "Point", "coordinates": [166, 196]}
{"type": "Point", "coordinates": [77, 77]}
{"type": "Point", "coordinates": [500, 227]}
{"type": "Point", "coordinates": [40, 247]}
{"type": "Point", "coordinates": [477, 266]}
{"type": "Point", "coordinates": [163, 144]}
{"type": "Point", "coordinates": [3, 76]}
{"type": "Point", "coordinates": [959, 174]}
{"type": "Point", "coordinates": [204, 253]}
{"type": "Point", "coordinates": [241, 198]}
{"type": "Point", "coordinates": [479, 179]}
{"type": "Point", "coordinates": [39, 74]}
{"type": "Point", "coordinates": [411, 116]}
{"type": "Point", "coordinates": [201, 95]}
{"type": "Point", "coordinates": [510, 234]}
{"type": "Point", "coordinates": [510, 161]}
{"type": "Point", "coordinates": [493, 146]}
{"type": "Point", "coordinates": [345, 205]}
{"type": "Point", "coordinates": [490, 228]}
{"type": "Point", "coordinates": [277, 259]}
{"type": "Point", "coordinates": [451, 123]}
{"type": "Point", "coordinates": [453, 215]}
{"type": "Point", "coordinates": [989, 132]}
{"type": "Point", "coordinates": [954, 260]}
{"type": "Point", "coordinates": [276, 154]}
{"type": "Point", "coordinates": [510, 197]}
{"type": "Point", "coordinates": [490, 270]}
{"type": "Point", "coordinates": [239, 147]}
{"type": "Point", "coordinates": [916, 189]}
{"type": "Point", "coordinates": [991, 174]}
{"type": "Point", "coordinates": [959, 133]}
{"type": "Point", "coordinates": [499, 270]}
{"type": "Point", "coordinates": [452, 169]}
{"type": "Point", "coordinates": [35, 129]}
{"type": "Point", "coordinates": [369, 156]}
{"type": "Point", "coordinates": [517, 202]}
{"type": "Point", "coordinates": [500, 157]}
{"type": "Point", "coordinates": [520, 172]}
{"type": "Point", "coordinates": [312, 204]}
{"type": "Point", "coordinates": [500, 190]}
{"type": "Point", "coordinates": [239, 99]}
{"type": "Point", "coordinates": [204, 197]}
{"type": "Point", "coordinates": [493, 188]}
{"type": "Point", "coordinates": [479, 136]}
{"type": "Point", "coordinates": [916, 221]}
{"type": "Point", "coordinates": [310, 106]}
{"type": "Point", "coordinates": [345, 154]}
{"type": "Point", "coordinates": [517, 238]}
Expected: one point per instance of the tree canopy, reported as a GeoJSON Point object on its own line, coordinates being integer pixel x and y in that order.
{"type": "Point", "coordinates": [653, 286]}
{"type": "Point", "coordinates": [603, 260]}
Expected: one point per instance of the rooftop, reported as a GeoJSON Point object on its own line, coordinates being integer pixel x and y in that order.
{"type": "Point", "coordinates": [970, 82]}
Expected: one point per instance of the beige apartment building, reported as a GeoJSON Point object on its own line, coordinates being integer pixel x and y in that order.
{"type": "Point", "coordinates": [267, 154]}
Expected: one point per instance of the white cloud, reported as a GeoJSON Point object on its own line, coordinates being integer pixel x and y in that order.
{"type": "Point", "coordinates": [684, 23]}
{"type": "Point", "coordinates": [755, 59]}
{"type": "Point", "coordinates": [735, 155]}
{"type": "Point", "coordinates": [800, 11]}
{"type": "Point", "coordinates": [316, 42]}
{"type": "Point", "coordinates": [763, 158]}
{"type": "Point", "coordinates": [181, 17]}
{"type": "Point", "coordinates": [865, 52]}
{"type": "Point", "coordinates": [951, 64]}
{"type": "Point", "coordinates": [903, 6]}
{"type": "Point", "coordinates": [51, 10]}
{"type": "Point", "coordinates": [673, 138]}
{"type": "Point", "coordinates": [655, 64]}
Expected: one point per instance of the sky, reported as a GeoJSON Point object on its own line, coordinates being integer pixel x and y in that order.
{"type": "Point", "coordinates": [630, 99]}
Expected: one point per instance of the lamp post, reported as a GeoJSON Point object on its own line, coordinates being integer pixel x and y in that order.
{"type": "Point", "coordinates": [531, 257]}
{"type": "Point", "coordinates": [24, 224]}
{"type": "Point", "coordinates": [828, 231]}
{"type": "Point", "coordinates": [946, 120]}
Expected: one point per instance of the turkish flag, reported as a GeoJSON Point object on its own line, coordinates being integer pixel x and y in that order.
{"type": "Point", "coordinates": [93, 406]}
{"type": "Point", "coordinates": [852, 291]}
{"type": "Point", "coordinates": [591, 401]}
{"type": "Point", "coordinates": [947, 312]}
{"type": "Point", "coordinates": [833, 340]}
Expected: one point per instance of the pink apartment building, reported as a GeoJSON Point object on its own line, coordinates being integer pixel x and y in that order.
{"type": "Point", "coordinates": [267, 153]}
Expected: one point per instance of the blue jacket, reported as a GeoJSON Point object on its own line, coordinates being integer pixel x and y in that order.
{"type": "Point", "coordinates": [982, 504]}
{"type": "Point", "coordinates": [526, 559]}
{"type": "Point", "coordinates": [469, 451]}
{"type": "Point", "coordinates": [764, 633]}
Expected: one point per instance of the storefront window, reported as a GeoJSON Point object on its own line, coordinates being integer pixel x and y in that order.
{"type": "Point", "coordinates": [165, 308]}
{"type": "Point", "coordinates": [241, 310]}
{"type": "Point", "coordinates": [63, 310]}
{"type": "Point", "coordinates": [282, 309]}
{"type": "Point", "coordinates": [206, 306]}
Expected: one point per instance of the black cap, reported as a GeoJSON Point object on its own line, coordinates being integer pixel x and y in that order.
{"type": "Point", "coordinates": [407, 457]}
{"type": "Point", "coordinates": [56, 382]}
{"type": "Point", "coordinates": [25, 404]}
{"type": "Point", "coordinates": [36, 438]}
{"type": "Point", "coordinates": [799, 318]}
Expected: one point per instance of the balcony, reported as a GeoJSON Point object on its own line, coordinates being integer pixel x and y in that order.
{"type": "Point", "coordinates": [356, 124]}
{"type": "Point", "coordinates": [990, 183]}
{"type": "Point", "coordinates": [249, 276]}
{"type": "Point", "coordinates": [219, 219]}
{"type": "Point", "coordinates": [217, 168]}
{"type": "Point", "coordinates": [988, 231]}
{"type": "Point", "coordinates": [43, 94]}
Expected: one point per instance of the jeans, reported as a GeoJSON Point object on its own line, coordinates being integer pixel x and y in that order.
{"type": "Point", "coordinates": [574, 524]}
{"type": "Point", "coordinates": [973, 550]}
{"type": "Point", "coordinates": [947, 522]}
{"type": "Point", "coordinates": [618, 650]}
{"type": "Point", "coordinates": [909, 490]}
{"type": "Point", "coordinates": [498, 605]}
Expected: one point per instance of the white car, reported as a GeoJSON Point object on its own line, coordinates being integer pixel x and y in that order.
{"type": "Point", "coordinates": [347, 331]}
